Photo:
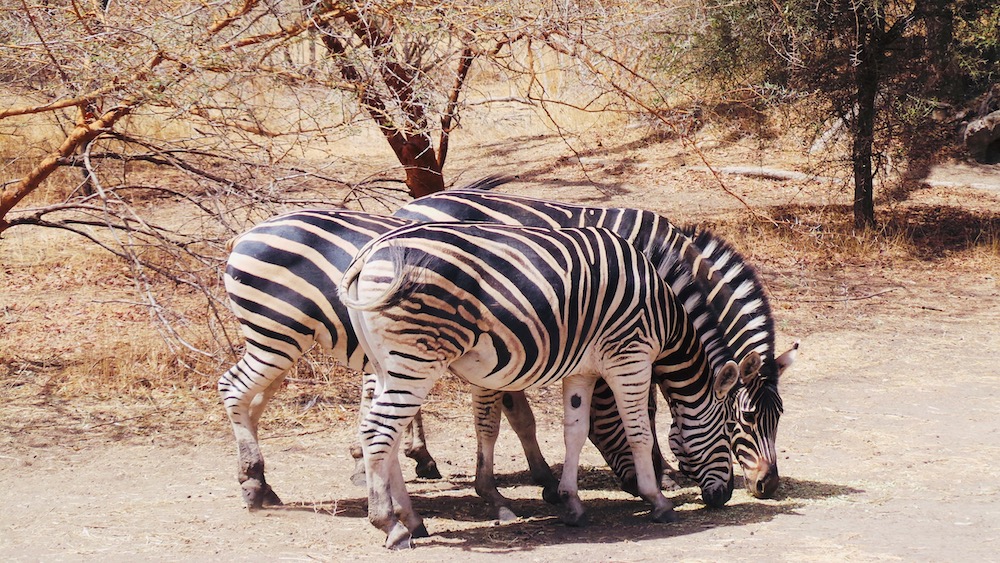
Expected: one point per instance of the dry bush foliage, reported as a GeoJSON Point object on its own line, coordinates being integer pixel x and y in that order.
{"type": "Point", "coordinates": [135, 141]}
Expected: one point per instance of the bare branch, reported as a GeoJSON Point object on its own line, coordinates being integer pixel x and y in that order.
{"type": "Point", "coordinates": [451, 110]}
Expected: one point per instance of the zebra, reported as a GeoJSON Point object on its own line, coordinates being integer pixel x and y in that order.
{"type": "Point", "coordinates": [722, 293]}
{"type": "Point", "coordinates": [281, 277]}
{"type": "Point", "coordinates": [513, 307]}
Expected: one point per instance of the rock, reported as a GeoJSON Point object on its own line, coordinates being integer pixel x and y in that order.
{"type": "Point", "coordinates": [982, 138]}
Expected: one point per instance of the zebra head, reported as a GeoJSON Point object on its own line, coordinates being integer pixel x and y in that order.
{"type": "Point", "coordinates": [758, 407]}
{"type": "Point", "coordinates": [741, 327]}
{"type": "Point", "coordinates": [700, 436]}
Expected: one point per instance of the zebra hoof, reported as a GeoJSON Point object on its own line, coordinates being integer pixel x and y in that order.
{"type": "Point", "coordinates": [428, 470]}
{"type": "Point", "coordinates": [631, 486]}
{"type": "Point", "coordinates": [667, 516]}
{"type": "Point", "coordinates": [506, 515]}
{"type": "Point", "coordinates": [420, 531]}
{"type": "Point", "coordinates": [550, 494]}
{"type": "Point", "coordinates": [359, 479]}
{"type": "Point", "coordinates": [668, 484]}
{"type": "Point", "coordinates": [399, 538]}
{"type": "Point", "coordinates": [575, 519]}
{"type": "Point", "coordinates": [257, 495]}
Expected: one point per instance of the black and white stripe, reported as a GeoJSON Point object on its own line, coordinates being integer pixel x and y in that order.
{"type": "Point", "coordinates": [722, 294]}
{"type": "Point", "coordinates": [736, 297]}
{"type": "Point", "coordinates": [511, 308]}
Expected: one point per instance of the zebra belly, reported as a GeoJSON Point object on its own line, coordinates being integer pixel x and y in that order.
{"type": "Point", "coordinates": [476, 365]}
{"type": "Point", "coordinates": [483, 366]}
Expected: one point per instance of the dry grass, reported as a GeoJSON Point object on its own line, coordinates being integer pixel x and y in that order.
{"type": "Point", "coordinates": [824, 237]}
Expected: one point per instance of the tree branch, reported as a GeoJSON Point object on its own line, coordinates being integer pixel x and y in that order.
{"type": "Point", "coordinates": [451, 110]}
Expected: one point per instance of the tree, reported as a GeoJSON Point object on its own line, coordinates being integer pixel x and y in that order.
{"type": "Point", "coordinates": [222, 70]}
{"type": "Point", "coordinates": [871, 63]}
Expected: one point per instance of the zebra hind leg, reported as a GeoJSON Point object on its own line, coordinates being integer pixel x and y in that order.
{"type": "Point", "coordinates": [367, 392]}
{"type": "Point", "coordinates": [415, 448]}
{"type": "Point", "coordinates": [415, 443]}
{"type": "Point", "coordinates": [392, 408]}
{"type": "Point", "coordinates": [522, 420]}
{"type": "Point", "coordinates": [486, 404]}
{"type": "Point", "coordinates": [426, 466]}
{"type": "Point", "coordinates": [245, 391]}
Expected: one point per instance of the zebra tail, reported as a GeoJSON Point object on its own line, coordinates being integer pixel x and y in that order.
{"type": "Point", "coordinates": [231, 243]}
{"type": "Point", "coordinates": [402, 283]}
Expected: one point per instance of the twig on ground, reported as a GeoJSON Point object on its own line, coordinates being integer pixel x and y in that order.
{"type": "Point", "coordinates": [844, 299]}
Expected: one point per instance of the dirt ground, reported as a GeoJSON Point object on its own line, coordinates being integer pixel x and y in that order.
{"type": "Point", "coordinates": [887, 446]}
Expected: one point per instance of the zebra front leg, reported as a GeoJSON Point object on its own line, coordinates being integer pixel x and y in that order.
{"type": "Point", "coordinates": [245, 391]}
{"type": "Point", "coordinates": [632, 396]}
{"type": "Point", "coordinates": [608, 433]}
{"type": "Point", "coordinates": [522, 420]}
{"type": "Point", "coordinates": [486, 407]}
{"type": "Point", "coordinates": [577, 391]}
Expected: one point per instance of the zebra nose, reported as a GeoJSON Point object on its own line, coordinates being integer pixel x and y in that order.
{"type": "Point", "coordinates": [766, 485]}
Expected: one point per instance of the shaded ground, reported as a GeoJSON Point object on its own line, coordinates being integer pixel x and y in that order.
{"type": "Point", "coordinates": [888, 442]}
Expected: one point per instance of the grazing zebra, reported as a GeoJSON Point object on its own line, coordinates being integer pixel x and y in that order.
{"type": "Point", "coordinates": [740, 308]}
{"type": "Point", "coordinates": [722, 293]}
{"type": "Point", "coordinates": [281, 277]}
{"type": "Point", "coordinates": [509, 308]}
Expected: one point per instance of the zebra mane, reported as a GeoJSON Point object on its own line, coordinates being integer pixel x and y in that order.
{"type": "Point", "coordinates": [738, 299]}
{"type": "Point", "coordinates": [487, 183]}
{"type": "Point", "coordinates": [693, 300]}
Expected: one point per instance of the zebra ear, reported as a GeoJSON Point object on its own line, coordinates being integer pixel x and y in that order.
{"type": "Point", "coordinates": [726, 379]}
{"type": "Point", "coordinates": [750, 366]}
{"type": "Point", "coordinates": [785, 360]}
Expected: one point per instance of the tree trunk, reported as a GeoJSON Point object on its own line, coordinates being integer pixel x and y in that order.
{"type": "Point", "coordinates": [866, 81]}
{"type": "Point", "coordinates": [423, 173]}
{"type": "Point", "coordinates": [414, 150]}
{"type": "Point", "coordinates": [945, 76]}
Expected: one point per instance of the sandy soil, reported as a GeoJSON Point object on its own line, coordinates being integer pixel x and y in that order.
{"type": "Point", "coordinates": [888, 442]}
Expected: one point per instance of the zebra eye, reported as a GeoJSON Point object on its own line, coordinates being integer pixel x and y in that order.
{"type": "Point", "coordinates": [748, 417]}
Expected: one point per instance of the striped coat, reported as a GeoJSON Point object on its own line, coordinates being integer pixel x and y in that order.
{"type": "Point", "coordinates": [512, 308]}
{"type": "Point", "coordinates": [721, 292]}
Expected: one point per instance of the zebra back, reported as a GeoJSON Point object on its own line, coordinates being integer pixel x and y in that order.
{"type": "Point", "coordinates": [282, 276]}
{"type": "Point", "coordinates": [687, 269]}
{"type": "Point", "coordinates": [543, 295]}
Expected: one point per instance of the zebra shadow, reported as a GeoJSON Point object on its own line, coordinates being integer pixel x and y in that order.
{"type": "Point", "coordinates": [618, 519]}
{"type": "Point", "coordinates": [456, 517]}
